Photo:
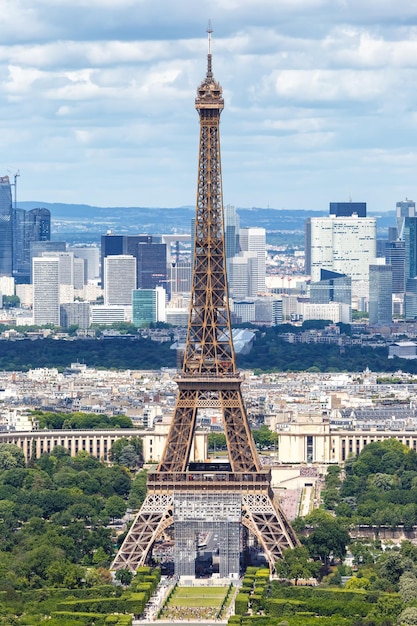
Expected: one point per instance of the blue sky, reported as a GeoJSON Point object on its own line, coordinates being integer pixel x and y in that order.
{"type": "Point", "coordinates": [97, 100]}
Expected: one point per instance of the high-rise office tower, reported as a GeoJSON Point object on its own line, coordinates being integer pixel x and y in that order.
{"type": "Point", "coordinates": [151, 260]}
{"type": "Point", "coordinates": [380, 295]}
{"type": "Point", "coordinates": [238, 277]}
{"type": "Point", "coordinates": [346, 245]}
{"type": "Point", "coordinates": [410, 245]}
{"type": "Point", "coordinates": [80, 272]}
{"type": "Point", "coordinates": [46, 290]}
{"type": "Point", "coordinates": [120, 279]}
{"type": "Point", "coordinates": [28, 227]}
{"type": "Point", "coordinates": [151, 265]}
{"type": "Point", "coordinates": [404, 208]}
{"type": "Point", "coordinates": [148, 306]}
{"type": "Point", "coordinates": [40, 220]}
{"type": "Point", "coordinates": [410, 299]}
{"type": "Point", "coordinates": [231, 231]}
{"type": "Point", "coordinates": [91, 255]}
{"type": "Point", "coordinates": [254, 240]}
{"type": "Point", "coordinates": [307, 247]}
{"type": "Point", "coordinates": [6, 227]}
{"type": "Point", "coordinates": [110, 245]}
{"type": "Point", "coordinates": [395, 257]}
{"type": "Point", "coordinates": [44, 248]}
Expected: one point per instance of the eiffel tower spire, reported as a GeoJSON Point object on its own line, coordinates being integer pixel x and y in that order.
{"type": "Point", "coordinates": [181, 493]}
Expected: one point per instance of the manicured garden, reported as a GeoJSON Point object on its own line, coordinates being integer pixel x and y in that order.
{"type": "Point", "coordinates": [184, 603]}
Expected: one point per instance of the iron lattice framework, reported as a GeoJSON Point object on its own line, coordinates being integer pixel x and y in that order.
{"type": "Point", "coordinates": [209, 379]}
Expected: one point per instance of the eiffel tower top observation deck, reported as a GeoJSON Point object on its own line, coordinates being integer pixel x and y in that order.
{"type": "Point", "coordinates": [209, 346]}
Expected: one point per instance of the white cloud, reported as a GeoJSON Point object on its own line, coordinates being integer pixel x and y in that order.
{"type": "Point", "coordinates": [318, 94]}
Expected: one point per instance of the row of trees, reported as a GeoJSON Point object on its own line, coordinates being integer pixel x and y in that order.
{"type": "Point", "coordinates": [270, 353]}
{"type": "Point", "coordinates": [55, 420]}
{"type": "Point", "coordinates": [135, 353]}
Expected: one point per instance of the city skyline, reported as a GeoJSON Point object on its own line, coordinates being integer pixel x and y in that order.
{"type": "Point", "coordinates": [96, 101]}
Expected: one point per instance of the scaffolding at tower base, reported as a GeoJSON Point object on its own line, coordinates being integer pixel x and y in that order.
{"type": "Point", "coordinates": [196, 513]}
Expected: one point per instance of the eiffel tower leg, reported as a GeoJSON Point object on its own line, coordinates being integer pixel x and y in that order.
{"type": "Point", "coordinates": [155, 515]}
{"type": "Point", "coordinates": [262, 515]}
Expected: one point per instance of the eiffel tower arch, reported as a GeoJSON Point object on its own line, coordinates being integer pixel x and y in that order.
{"type": "Point", "coordinates": [224, 498]}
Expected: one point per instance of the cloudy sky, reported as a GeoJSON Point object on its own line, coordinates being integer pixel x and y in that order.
{"type": "Point", "coordinates": [97, 100]}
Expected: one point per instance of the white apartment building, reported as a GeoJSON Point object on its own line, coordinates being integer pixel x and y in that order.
{"type": "Point", "coordinates": [120, 279]}
{"type": "Point", "coordinates": [346, 245]}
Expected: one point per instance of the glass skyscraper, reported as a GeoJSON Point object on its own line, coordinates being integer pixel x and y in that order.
{"type": "Point", "coordinates": [380, 295]}
{"type": "Point", "coordinates": [6, 227]}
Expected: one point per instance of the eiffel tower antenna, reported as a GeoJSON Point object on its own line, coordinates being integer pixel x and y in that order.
{"type": "Point", "coordinates": [186, 493]}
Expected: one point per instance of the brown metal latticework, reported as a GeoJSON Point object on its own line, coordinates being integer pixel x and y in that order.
{"type": "Point", "coordinates": [209, 379]}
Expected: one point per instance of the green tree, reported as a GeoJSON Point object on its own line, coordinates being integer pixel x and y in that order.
{"type": "Point", "coordinates": [124, 576]}
{"type": "Point", "coordinates": [296, 563]}
{"type": "Point", "coordinates": [329, 538]}
{"type": "Point", "coordinates": [407, 587]}
{"type": "Point", "coordinates": [127, 451]}
{"type": "Point", "coordinates": [115, 507]}
{"type": "Point", "coordinates": [11, 456]}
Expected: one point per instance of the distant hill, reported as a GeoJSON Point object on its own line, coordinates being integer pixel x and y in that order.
{"type": "Point", "coordinates": [85, 223]}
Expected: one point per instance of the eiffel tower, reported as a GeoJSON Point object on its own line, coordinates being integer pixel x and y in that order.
{"type": "Point", "coordinates": [231, 499]}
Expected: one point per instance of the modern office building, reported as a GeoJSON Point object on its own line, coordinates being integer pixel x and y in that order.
{"type": "Point", "coordinates": [179, 277]}
{"type": "Point", "coordinates": [307, 247]}
{"type": "Point", "coordinates": [404, 208]}
{"type": "Point", "coordinates": [28, 227]}
{"type": "Point", "coordinates": [277, 312]}
{"type": "Point", "coordinates": [46, 290]}
{"type": "Point", "coordinates": [151, 265]}
{"type": "Point", "coordinates": [110, 245]}
{"type": "Point", "coordinates": [6, 227]}
{"type": "Point", "coordinates": [119, 279]}
{"type": "Point", "coordinates": [150, 255]}
{"type": "Point", "coordinates": [333, 311]}
{"type": "Point", "coordinates": [395, 256]}
{"type": "Point", "coordinates": [410, 244]}
{"type": "Point", "coordinates": [244, 311]}
{"type": "Point", "coordinates": [380, 295]}
{"type": "Point", "coordinates": [80, 272]}
{"type": "Point", "coordinates": [148, 306]}
{"type": "Point", "coordinates": [44, 248]}
{"type": "Point", "coordinates": [253, 240]}
{"type": "Point", "coordinates": [346, 245]}
{"type": "Point", "coordinates": [91, 255]}
{"type": "Point", "coordinates": [239, 276]}
{"type": "Point", "coordinates": [231, 231]}
{"type": "Point", "coordinates": [332, 287]}
{"type": "Point", "coordinates": [103, 315]}
{"type": "Point", "coordinates": [75, 313]}
{"type": "Point", "coordinates": [410, 299]}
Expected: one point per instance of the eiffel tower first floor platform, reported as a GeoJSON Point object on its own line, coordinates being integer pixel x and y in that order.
{"type": "Point", "coordinates": [229, 505]}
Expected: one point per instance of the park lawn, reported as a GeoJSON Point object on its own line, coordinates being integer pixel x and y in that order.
{"type": "Point", "coordinates": [198, 597]}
